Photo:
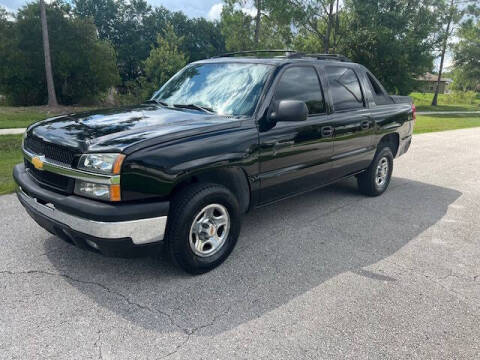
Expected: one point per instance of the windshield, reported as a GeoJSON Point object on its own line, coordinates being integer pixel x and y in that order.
{"type": "Point", "coordinates": [224, 88]}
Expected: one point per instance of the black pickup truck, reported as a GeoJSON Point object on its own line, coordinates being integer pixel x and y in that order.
{"type": "Point", "coordinates": [222, 136]}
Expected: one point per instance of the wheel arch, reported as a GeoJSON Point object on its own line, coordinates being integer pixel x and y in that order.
{"type": "Point", "coordinates": [233, 178]}
{"type": "Point", "coordinates": [393, 139]}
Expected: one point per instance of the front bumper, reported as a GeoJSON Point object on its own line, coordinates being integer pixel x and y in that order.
{"type": "Point", "coordinates": [98, 222]}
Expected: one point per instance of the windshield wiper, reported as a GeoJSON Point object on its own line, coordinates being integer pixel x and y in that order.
{"type": "Point", "coordinates": [195, 107]}
{"type": "Point", "coordinates": [156, 102]}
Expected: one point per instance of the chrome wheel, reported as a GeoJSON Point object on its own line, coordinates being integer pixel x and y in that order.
{"type": "Point", "coordinates": [381, 176]}
{"type": "Point", "coordinates": [209, 230]}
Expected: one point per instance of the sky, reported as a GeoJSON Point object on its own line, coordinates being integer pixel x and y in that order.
{"type": "Point", "coordinates": [209, 9]}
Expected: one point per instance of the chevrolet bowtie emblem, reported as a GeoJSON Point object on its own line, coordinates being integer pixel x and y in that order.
{"type": "Point", "coordinates": [37, 161]}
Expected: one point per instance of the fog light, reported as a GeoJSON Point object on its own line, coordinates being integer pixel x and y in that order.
{"type": "Point", "coordinates": [97, 191]}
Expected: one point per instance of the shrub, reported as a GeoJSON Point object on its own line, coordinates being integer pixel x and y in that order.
{"type": "Point", "coordinates": [83, 66]}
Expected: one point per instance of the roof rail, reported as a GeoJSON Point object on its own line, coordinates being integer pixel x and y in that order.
{"type": "Point", "coordinates": [247, 52]}
{"type": "Point", "coordinates": [290, 54]}
{"type": "Point", "coordinates": [336, 57]}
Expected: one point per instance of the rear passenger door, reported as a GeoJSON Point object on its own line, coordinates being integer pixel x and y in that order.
{"type": "Point", "coordinates": [353, 126]}
{"type": "Point", "coordinates": [296, 156]}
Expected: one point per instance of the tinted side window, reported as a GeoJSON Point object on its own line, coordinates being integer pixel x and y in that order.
{"type": "Point", "coordinates": [377, 92]}
{"type": "Point", "coordinates": [344, 88]}
{"type": "Point", "coordinates": [301, 83]}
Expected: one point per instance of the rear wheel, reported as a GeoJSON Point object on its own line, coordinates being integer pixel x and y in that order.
{"type": "Point", "coordinates": [375, 180]}
{"type": "Point", "coordinates": [203, 227]}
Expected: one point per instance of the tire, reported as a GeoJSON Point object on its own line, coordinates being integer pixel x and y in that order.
{"type": "Point", "coordinates": [195, 240]}
{"type": "Point", "coordinates": [375, 180]}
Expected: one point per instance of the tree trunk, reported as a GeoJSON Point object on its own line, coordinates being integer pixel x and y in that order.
{"type": "Point", "coordinates": [326, 43]}
{"type": "Point", "coordinates": [336, 30]}
{"type": "Point", "coordinates": [52, 97]}
{"type": "Point", "coordinates": [258, 19]}
{"type": "Point", "coordinates": [442, 57]}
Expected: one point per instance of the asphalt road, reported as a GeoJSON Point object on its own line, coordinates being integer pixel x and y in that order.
{"type": "Point", "coordinates": [331, 274]}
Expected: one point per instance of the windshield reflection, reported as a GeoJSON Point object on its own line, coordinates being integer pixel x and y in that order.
{"type": "Point", "coordinates": [226, 88]}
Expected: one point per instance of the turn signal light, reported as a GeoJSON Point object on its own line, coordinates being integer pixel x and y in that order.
{"type": "Point", "coordinates": [117, 166]}
{"type": "Point", "coordinates": [115, 193]}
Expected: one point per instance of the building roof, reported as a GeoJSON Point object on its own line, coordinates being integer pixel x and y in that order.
{"type": "Point", "coordinates": [433, 78]}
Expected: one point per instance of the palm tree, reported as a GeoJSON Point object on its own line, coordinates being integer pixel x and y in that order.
{"type": "Point", "coordinates": [52, 97]}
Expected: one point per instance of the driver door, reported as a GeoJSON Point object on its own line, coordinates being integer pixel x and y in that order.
{"type": "Point", "coordinates": [296, 156]}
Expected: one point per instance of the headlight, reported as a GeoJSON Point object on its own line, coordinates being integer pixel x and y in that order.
{"type": "Point", "coordinates": [101, 163]}
{"type": "Point", "coordinates": [98, 191]}
{"type": "Point", "coordinates": [108, 164]}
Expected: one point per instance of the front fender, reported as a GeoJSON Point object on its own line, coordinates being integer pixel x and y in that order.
{"type": "Point", "coordinates": [157, 170]}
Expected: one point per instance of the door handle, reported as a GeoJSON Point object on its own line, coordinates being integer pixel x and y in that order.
{"type": "Point", "coordinates": [327, 131]}
{"type": "Point", "coordinates": [282, 144]}
{"type": "Point", "coordinates": [365, 125]}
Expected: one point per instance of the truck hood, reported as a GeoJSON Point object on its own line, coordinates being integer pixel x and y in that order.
{"type": "Point", "coordinates": [115, 130]}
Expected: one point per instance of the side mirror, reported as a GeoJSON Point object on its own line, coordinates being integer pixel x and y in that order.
{"type": "Point", "coordinates": [288, 110]}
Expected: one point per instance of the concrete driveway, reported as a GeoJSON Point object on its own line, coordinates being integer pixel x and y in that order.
{"type": "Point", "coordinates": [330, 274]}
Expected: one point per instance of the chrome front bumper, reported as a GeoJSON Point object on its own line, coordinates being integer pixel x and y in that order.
{"type": "Point", "coordinates": [142, 231]}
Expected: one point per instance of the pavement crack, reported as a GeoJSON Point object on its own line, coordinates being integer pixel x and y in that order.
{"type": "Point", "coordinates": [97, 345]}
{"type": "Point", "coordinates": [178, 347]}
{"type": "Point", "coordinates": [116, 293]}
{"type": "Point", "coordinates": [465, 299]}
{"type": "Point", "coordinates": [211, 323]}
{"type": "Point", "coordinates": [193, 331]}
{"type": "Point", "coordinates": [455, 276]}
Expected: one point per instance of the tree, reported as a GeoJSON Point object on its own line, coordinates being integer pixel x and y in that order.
{"type": "Point", "coordinates": [451, 14]}
{"type": "Point", "coordinates": [105, 14]}
{"type": "Point", "coordinates": [467, 56]}
{"type": "Point", "coordinates": [164, 61]}
{"type": "Point", "coordinates": [245, 32]}
{"type": "Point", "coordinates": [394, 39]}
{"type": "Point", "coordinates": [237, 29]}
{"type": "Point", "coordinates": [256, 25]}
{"type": "Point", "coordinates": [122, 23]}
{"type": "Point", "coordinates": [202, 38]}
{"type": "Point", "coordinates": [6, 35]}
{"type": "Point", "coordinates": [52, 97]}
{"type": "Point", "coordinates": [84, 66]}
{"type": "Point", "coordinates": [310, 41]}
{"type": "Point", "coordinates": [319, 18]}
{"type": "Point", "coordinates": [132, 28]}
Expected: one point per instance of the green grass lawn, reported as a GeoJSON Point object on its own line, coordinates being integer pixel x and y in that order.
{"type": "Point", "coordinates": [10, 145]}
{"type": "Point", "coordinates": [447, 102]}
{"type": "Point", "coordinates": [20, 117]}
{"type": "Point", "coordinates": [10, 155]}
{"type": "Point", "coordinates": [444, 122]}
{"type": "Point", "coordinates": [428, 108]}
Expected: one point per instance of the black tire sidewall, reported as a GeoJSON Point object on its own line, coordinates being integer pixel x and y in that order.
{"type": "Point", "coordinates": [366, 180]}
{"type": "Point", "coordinates": [178, 233]}
{"type": "Point", "coordinates": [384, 152]}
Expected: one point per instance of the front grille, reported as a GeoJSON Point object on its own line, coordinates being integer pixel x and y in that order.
{"type": "Point", "coordinates": [51, 151]}
{"type": "Point", "coordinates": [57, 182]}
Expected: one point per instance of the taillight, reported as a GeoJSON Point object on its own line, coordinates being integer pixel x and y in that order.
{"type": "Point", "coordinates": [414, 112]}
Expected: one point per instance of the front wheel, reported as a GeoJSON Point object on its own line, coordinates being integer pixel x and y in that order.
{"type": "Point", "coordinates": [375, 180]}
{"type": "Point", "coordinates": [203, 227]}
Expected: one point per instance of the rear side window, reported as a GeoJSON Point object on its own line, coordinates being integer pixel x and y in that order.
{"type": "Point", "coordinates": [301, 83]}
{"type": "Point", "coordinates": [345, 88]}
{"type": "Point", "coordinates": [378, 94]}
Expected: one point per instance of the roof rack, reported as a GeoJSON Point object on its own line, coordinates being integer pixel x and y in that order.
{"type": "Point", "coordinates": [247, 52]}
{"type": "Point", "coordinates": [289, 54]}
{"type": "Point", "coordinates": [336, 57]}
